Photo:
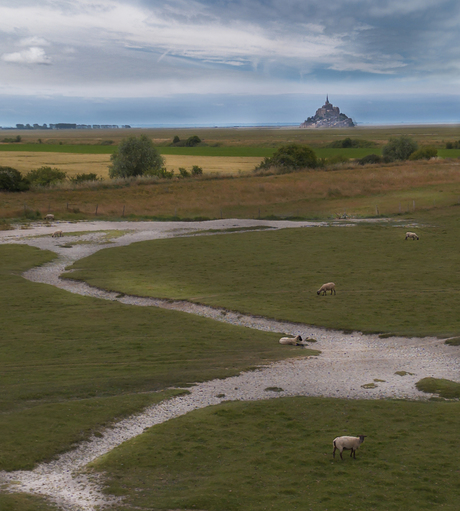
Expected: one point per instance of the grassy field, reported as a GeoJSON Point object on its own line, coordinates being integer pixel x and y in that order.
{"type": "Point", "coordinates": [256, 137]}
{"type": "Point", "coordinates": [278, 455]}
{"type": "Point", "coordinates": [359, 191]}
{"type": "Point", "coordinates": [384, 283]}
{"type": "Point", "coordinates": [63, 378]}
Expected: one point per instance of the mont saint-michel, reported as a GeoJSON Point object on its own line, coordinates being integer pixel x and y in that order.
{"type": "Point", "coordinates": [328, 116]}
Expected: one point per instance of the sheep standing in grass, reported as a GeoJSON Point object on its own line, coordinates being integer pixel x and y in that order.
{"type": "Point", "coordinates": [411, 236]}
{"type": "Point", "coordinates": [291, 341]}
{"type": "Point", "coordinates": [57, 234]}
{"type": "Point", "coordinates": [347, 443]}
{"type": "Point", "coordinates": [49, 216]}
{"type": "Point", "coordinates": [330, 286]}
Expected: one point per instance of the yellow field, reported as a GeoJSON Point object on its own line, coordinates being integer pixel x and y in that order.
{"type": "Point", "coordinates": [74, 164]}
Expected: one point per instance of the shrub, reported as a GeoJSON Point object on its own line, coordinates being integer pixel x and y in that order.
{"type": "Point", "coordinates": [453, 145]}
{"type": "Point", "coordinates": [81, 178]}
{"type": "Point", "coordinates": [370, 159]}
{"type": "Point", "coordinates": [136, 157]}
{"type": "Point", "coordinates": [338, 158]}
{"type": "Point", "coordinates": [46, 176]}
{"type": "Point", "coordinates": [14, 140]}
{"type": "Point", "coordinates": [193, 141]}
{"type": "Point", "coordinates": [289, 158]}
{"type": "Point", "coordinates": [424, 153]}
{"type": "Point", "coordinates": [183, 172]}
{"type": "Point", "coordinates": [106, 142]}
{"type": "Point", "coordinates": [176, 140]}
{"type": "Point", "coordinates": [349, 142]}
{"type": "Point", "coordinates": [196, 170]}
{"type": "Point", "coordinates": [399, 148]}
{"type": "Point", "coordinates": [11, 180]}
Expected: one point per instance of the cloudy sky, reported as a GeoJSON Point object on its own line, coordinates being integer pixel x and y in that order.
{"type": "Point", "coordinates": [219, 62]}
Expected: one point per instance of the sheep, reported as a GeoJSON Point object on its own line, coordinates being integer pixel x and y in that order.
{"type": "Point", "coordinates": [49, 216]}
{"type": "Point", "coordinates": [346, 443]}
{"type": "Point", "coordinates": [57, 234]}
{"type": "Point", "coordinates": [411, 236]}
{"type": "Point", "coordinates": [330, 286]}
{"type": "Point", "coordinates": [291, 341]}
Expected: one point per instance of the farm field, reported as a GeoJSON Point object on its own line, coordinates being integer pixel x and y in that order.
{"type": "Point", "coordinates": [77, 163]}
{"type": "Point", "coordinates": [369, 191]}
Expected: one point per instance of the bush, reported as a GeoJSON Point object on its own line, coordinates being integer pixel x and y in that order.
{"type": "Point", "coordinates": [424, 153]}
{"type": "Point", "coordinates": [349, 142]}
{"type": "Point", "coordinates": [193, 141]}
{"type": "Point", "coordinates": [399, 148]}
{"type": "Point", "coordinates": [183, 172]}
{"type": "Point", "coordinates": [14, 140]}
{"type": "Point", "coordinates": [46, 176]}
{"type": "Point", "coordinates": [453, 145]}
{"type": "Point", "coordinates": [11, 180]}
{"type": "Point", "coordinates": [338, 158]}
{"type": "Point", "coordinates": [81, 178]}
{"type": "Point", "coordinates": [136, 157]}
{"type": "Point", "coordinates": [289, 158]}
{"type": "Point", "coordinates": [370, 159]}
{"type": "Point", "coordinates": [196, 170]}
{"type": "Point", "coordinates": [176, 140]}
{"type": "Point", "coordinates": [106, 142]}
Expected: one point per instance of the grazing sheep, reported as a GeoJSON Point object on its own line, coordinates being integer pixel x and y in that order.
{"type": "Point", "coordinates": [49, 216]}
{"type": "Point", "coordinates": [57, 234]}
{"type": "Point", "coordinates": [330, 286]}
{"type": "Point", "coordinates": [347, 443]}
{"type": "Point", "coordinates": [411, 236]}
{"type": "Point", "coordinates": [291, 341]}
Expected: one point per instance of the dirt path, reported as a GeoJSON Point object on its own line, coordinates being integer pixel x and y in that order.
{"type": "Point", "coordinates": [347, 367]}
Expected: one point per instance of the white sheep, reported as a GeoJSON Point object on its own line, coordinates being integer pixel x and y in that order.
{"type": "Point", "coordinates": [347, 443]}
{"type": "Point", "coordinates": [330, 286]}
{"type": "Point", "coordinates": [411, 236]}
{"type": "Point", "coordinates": [49, 216]}
{"type": "Point", "coordinates": [291, 341]}
{"type": "Point", "coordinates": [57, 234]}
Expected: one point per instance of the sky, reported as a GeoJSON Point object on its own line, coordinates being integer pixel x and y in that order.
{"type": "Point", "coordinates": [228, 62]}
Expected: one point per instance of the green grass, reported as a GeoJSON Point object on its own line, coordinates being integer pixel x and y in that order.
{"type": "Point", "coordinates": [21, 502]}
{"type": "Point", "coordinates": [384, 283]}
{"type": "Point", "coordinates": [445, 388]}
{"type": "Point", "coordinates": [277, 455]}
{"type": "Point", "coordinates": [59, 148]}
{"type": "Point", "coordinates": [70, 364]}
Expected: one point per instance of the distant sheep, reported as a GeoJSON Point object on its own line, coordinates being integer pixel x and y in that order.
{"type": "Point", "coordinates": [411, 236]}
{"type": "Point", "coordinates": [347, 443]}
{"type": "Point", "coordinates": [330, 286]}
{"type": "Point", "coordinates": [57, 234]}
{"type": "Point", "coordinates": [291, 341]}
{"type": "Point", "coordinates": [49, 216]}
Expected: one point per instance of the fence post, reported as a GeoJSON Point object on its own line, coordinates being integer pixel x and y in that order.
{"type": "Point", "coordinates": [67, 206]}
{"type": "Point", "coordinates": [221, 216]}
{"type": "Point", "coordinates": [97, 205]}
{"type": "Point", "coordinates": [123, 214]}
{"type": "Point", "coordinates": [413, 205]}
{"type": "Point", "coordinates": [259, 213]}
{"type": "Point", "coordinates": [377, 210]}
{"type": "Point", "coordinates": [399, 208]}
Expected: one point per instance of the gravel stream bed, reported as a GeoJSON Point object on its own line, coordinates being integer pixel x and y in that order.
{"type": "Point", "coordinates": [346, 364]}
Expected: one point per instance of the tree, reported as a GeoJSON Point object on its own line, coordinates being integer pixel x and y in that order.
{"type": "Point", "coordinates": [11, 180]}
{"type": "Point", "coordinates": [399, 148]}
{"type": "Point", "coordinates": [193, 141]}
{"type": "Point", "coordinates": [291, 157]}
{"type": "Point", "coordinates": [136, 157]}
